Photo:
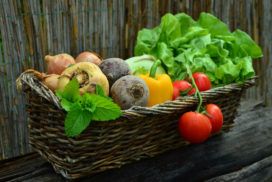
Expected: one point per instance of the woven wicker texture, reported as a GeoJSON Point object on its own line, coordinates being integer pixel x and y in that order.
{"type": "Point", "coordinates": [141, 132]}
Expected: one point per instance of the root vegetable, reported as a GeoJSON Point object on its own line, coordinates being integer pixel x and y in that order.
{"type": "Point", "coordinates": [114, 68]}
{"type": "Point", "coordinates": [51, 81]}
{"type": "Point", "coordinates": [57, 64]}
{"type": "Point", "coordinates": [87, 74]}
{"type": "Point", "coordinates": [87, 56]}
{"type": "Point", "coordinates": [130, 91]}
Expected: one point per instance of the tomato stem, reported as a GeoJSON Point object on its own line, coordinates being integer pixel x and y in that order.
{"type": "Point", "coordinates": [197, 91]}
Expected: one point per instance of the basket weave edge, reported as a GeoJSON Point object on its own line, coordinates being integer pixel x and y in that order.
{"type": "Point", "coordinates": [167, 107]}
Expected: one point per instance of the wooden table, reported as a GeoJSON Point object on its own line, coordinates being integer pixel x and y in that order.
{"type": "Point", "coordinates": [242, 154]}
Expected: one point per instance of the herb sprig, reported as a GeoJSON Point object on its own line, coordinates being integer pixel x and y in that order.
{"type": "Point", "coordinates": [83, 109]}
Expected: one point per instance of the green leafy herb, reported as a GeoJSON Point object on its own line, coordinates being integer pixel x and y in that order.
{"type": "Point", "coordinates": [76, 121]}
{"type": "Point", "coordinates": [81, 110]}
{"type": "Point", "coordinates": [99, 90]}
{"type": "Point", "coordinates": [205, 45]}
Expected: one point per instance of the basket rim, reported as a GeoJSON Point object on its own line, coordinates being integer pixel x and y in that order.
{"type": "Point", "coordinates": [28, 79]}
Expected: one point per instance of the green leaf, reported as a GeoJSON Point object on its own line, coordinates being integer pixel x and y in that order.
{"type": "Point", "coordinates": [67, 105]}
{"type": "Point", "coordinates": [193, 32]}
{"type": "Point", "coordinates": [216, 49]}
{"type": "Point", "coordinates": [201, 42]}
{"type": "Point", "coordinates": [227, 72]}
{"type": "Point", "coordinates": [76, 121]}
{"type": "Point", "coordinates": [213, 24]}
{"type": "Point", "coordinates": [146, 40]}
{"type": "Point", "coordinates": [185, 22]}
{"type": "Point", "coordinates": [170, 28]}
{"type": "Point", "coordinates": [203, 64]}
{"type": "Point", "coordinates": [247, 45]}
{"type": "Point", "coordinates": [166, 56]}
{"type": "Point", "coordinates": [70, 92]}
{"type": "Point", "coordinates": [205, 45]}
{"type": "Point", "coordinates": [99, 90]}
{"type": "Point", "coordinates": [87, 103]}
{"type": "Point", "coordinates": [246, 67]}
{"type": "Point", "coordinates": [105, 110]}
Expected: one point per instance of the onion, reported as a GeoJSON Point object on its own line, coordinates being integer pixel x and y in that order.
{"type": "Point", "coordinates": [87, 56]}
{"type": "Point", "coordinates": [51, 81]}
{"type": "Point", "coordinates": [56, 64]}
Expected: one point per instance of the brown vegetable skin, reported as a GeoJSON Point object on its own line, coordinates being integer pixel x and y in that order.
{"type": "Point", "coordinates": [130, 91]}
{"type": "Point", "coordinates": [58, 63]}
{"type": "Point", "coordinates": [87, 56]}
{"type": "Point", "coordinates": [114, 68]}
{"type": "Point", "coordinates": [51, 81]}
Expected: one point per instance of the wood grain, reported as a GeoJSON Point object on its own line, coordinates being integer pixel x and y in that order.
{"type": "Point", "coordinates": [31, 29]}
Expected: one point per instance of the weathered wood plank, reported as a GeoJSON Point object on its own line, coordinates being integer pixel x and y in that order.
{"type": "Point", "coordinates": [239, 155]}
{"type": "Point", "coordinates": [258, 171]}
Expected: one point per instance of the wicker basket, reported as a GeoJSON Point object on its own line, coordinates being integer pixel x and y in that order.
{"type": "Point", "coordinates": [140, 133]}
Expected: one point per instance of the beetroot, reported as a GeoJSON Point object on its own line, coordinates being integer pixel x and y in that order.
{"type": "Point", "coordinates": [114, 68]}
{"type": "Point", "coordinates": [130, 91]}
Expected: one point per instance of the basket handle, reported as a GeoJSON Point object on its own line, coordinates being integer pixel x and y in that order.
{"type": "Point", "coordinates": [28, 79]}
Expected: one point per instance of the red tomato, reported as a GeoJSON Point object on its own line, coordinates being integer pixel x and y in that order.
{"type": "Point", "coordinates": [191, 92]}
{"type": "Point", "coordinates": [182, 86]}
{"type": "Point", "coordinates": [216, 117]}
{"type": "Point", "coordinates": [202, 81]}
{"type": "Point", "coordinates": [175, 93]}
{"type": "Point", "coordinates": [195, 127]}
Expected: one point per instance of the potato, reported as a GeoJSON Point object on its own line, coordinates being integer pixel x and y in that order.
{"type": "Point", "coordinates": [130, 91]}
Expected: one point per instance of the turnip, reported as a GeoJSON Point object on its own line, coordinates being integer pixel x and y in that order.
{"type": "Point", "coordinates": [114, 68]}
{"type": "Point", "coordinates": [130, 91]}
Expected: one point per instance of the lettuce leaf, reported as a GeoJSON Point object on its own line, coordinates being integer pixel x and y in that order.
{"type": "Point", "coordinates": [205, 45]}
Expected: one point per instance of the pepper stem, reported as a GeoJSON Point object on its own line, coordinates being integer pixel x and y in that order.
{"type": "Point", "coordinates": [154, 67]}
{"type": "Point", "coordinates": [197, 91]}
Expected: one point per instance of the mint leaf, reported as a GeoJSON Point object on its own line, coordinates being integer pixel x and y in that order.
{"type": "Point", "coordinates": [87, 102]}
{"type": "Point", "coordinates": [70, 92]}
{"type": "Point", "coordinates": [105, 109]}
{"type": "Point", "coordinates": [76, 121]}
{"type": "Point", "coordinates": [99, 90]}
{"type": "Point", "coordinates": [69, 95]}
{"type": "Point", "coordinates": [82, 109]}
{"type": "Point", "coordinates": [66, 105]}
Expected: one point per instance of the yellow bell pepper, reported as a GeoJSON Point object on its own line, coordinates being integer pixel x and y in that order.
{"type": "Point", "coordinates": [160, 86]}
